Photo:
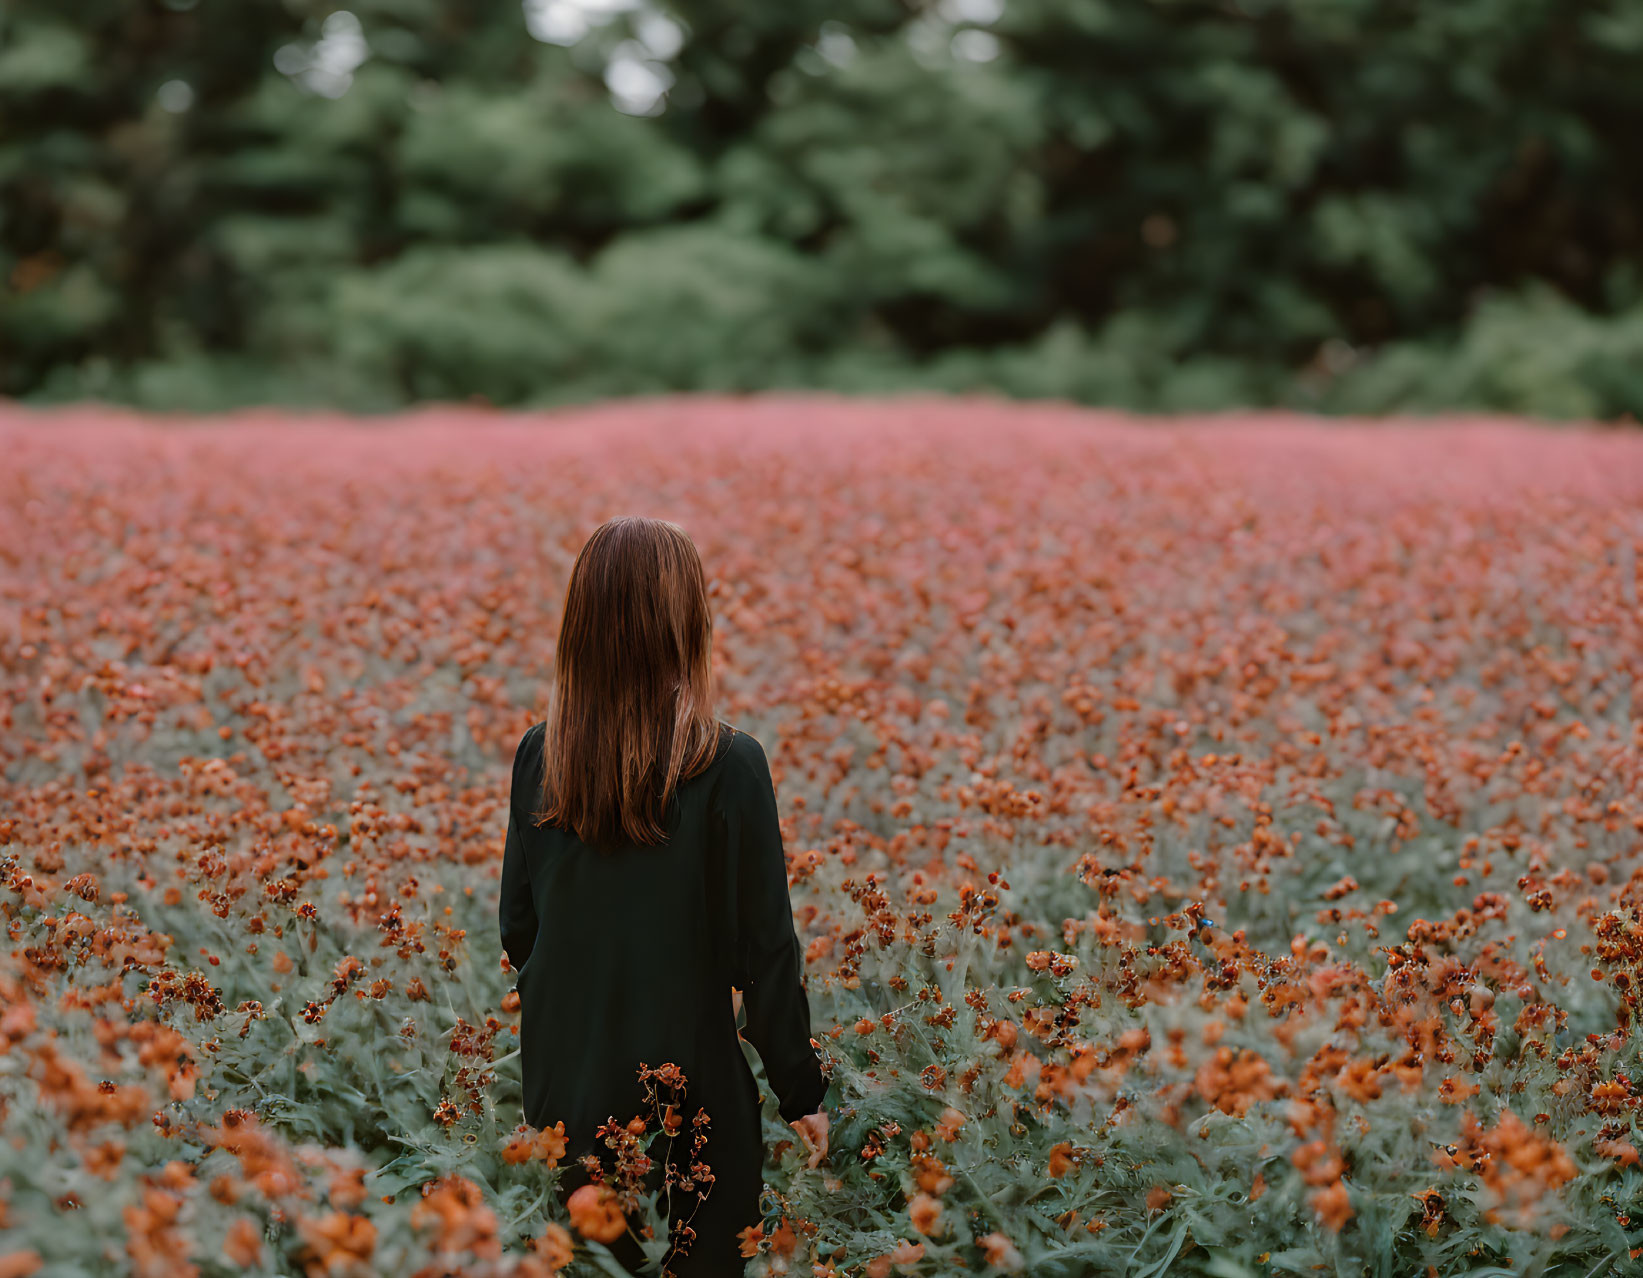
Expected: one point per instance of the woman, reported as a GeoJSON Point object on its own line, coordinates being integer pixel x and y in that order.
{"type": "Point", "coordinates": [643, 878]}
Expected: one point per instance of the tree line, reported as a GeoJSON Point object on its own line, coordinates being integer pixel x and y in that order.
{"type": "Point", "coordinates": [1343, 205]}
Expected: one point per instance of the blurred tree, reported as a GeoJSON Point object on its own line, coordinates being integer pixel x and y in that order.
{"type": "Point", "coordinates": [1156, 203]}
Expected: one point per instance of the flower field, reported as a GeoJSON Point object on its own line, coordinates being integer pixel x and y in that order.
{"type": "Point", "coordinates": [1218, 845]}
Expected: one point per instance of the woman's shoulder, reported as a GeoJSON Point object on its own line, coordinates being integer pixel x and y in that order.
{"type": "Point", "coordinates": [741, 760]}
{"type": "Point", "coordinates": [531, 742]}
{"type": "Point", "coordinates": [527, 755]}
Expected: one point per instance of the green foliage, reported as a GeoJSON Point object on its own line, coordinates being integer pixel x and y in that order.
{"type": "Point", "coordinates": [1536, 354]}
{"type": "Point", "coordinates": [1181, 205]}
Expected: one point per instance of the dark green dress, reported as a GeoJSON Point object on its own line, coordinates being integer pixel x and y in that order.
{"type": "Point", "coordinates": [629, 957]}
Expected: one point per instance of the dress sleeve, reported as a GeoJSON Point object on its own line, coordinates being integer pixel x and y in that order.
{"type": "Point", "coordinates": [768, 961]}
{"type": "Point", "coordinates": [516, 907]}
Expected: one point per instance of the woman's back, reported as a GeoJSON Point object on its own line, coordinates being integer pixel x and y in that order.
{"type": "Point", "coordinates": [621, 962]}
{"type": "Point", "coordinates": [627, 957]}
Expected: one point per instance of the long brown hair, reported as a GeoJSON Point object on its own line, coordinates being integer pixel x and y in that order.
{"type": "Point", "coordinates": [632, 706]}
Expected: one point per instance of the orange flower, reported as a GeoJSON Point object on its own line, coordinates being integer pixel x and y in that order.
{"type": "Point", "coordinates": [751, 1237]}
{"type": "Point", "coordinates": [154, 1243]}
{"type": "Point", "coordinates": [904, 1255]}
{"type": "Point", "coordinates": [1233, 1081]}
{"type": "Point", "coordinates": [104, 1160]}
{"type": "Point", "coordinates": [347, 1187]}
{"type": "Point", "coordinates": [1000, 1252]}
{"type": "Point", "coordinates": [1610, 1097]}
{"type": "Point", "coordinates": [555, 1246]}
{"type": "Point", "coordinates": [595, 1214]}
{"type": "Point", "coordinates": [1318, 1162]}
{"type": "Point", "coordinates": [550, 1144]}
{"type": "Point", "coordinates": [1432, 1210]}
{"type": "Point", "coordinates": [1025, 1064]}
{"type": "Point", "coordinates": [242, 1245]}
{"type": "Point", "coordinates": [455, 1209]}
{"type": "Point", "coordinates": [1138, 1039]}
{"type": "Point", "coordinates": [932, 1175]}
{"type": "Point", "coordinates": [783, 1242]}
{"type": "Point", "coordinates": [1360, 1080]}
{"type": "Point", "coordinates": [947, 1126]}
{"type": "Point", "coordinates": [925, 1212]}
{"type": "Point", "coordinates": [337, 1243]}
{"type": "Point", "coordinates": [1332, 1204]}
